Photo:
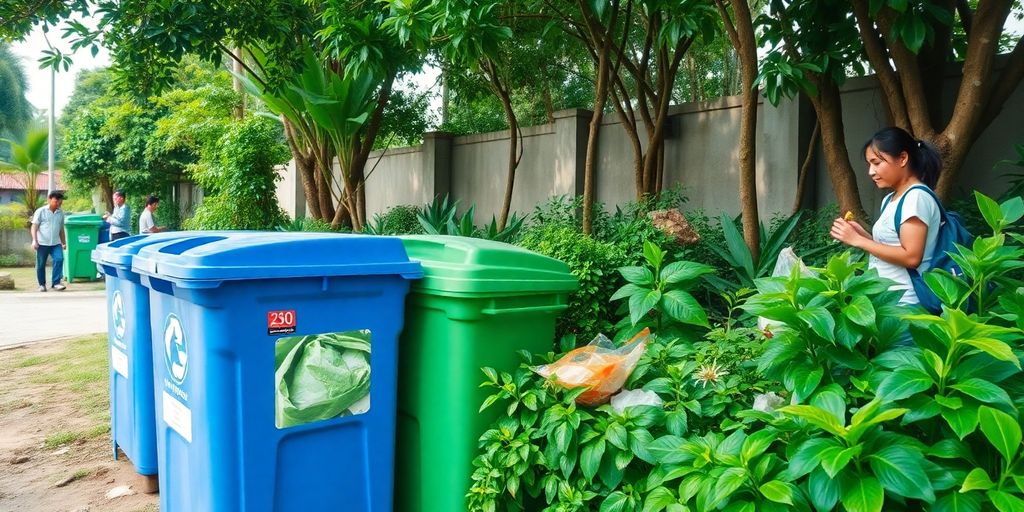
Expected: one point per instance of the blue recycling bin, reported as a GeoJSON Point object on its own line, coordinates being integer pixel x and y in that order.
{"type": "Point", "coordinates": [267, 351]}
{"type": "Point", "coordinates": [104, 233]}
{"type": "Point", "coordinates": [132, 417]}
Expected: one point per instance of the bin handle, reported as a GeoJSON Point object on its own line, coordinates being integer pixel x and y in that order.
{"type": "Point", "coordinates": [527, 309]}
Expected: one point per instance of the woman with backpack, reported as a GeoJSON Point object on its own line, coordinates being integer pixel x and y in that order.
{"type": "Point", "coordinates": [902, 248]}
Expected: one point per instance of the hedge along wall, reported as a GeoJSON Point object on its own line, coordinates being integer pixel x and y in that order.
{"type": "Point", "coordinates": [701, 154]}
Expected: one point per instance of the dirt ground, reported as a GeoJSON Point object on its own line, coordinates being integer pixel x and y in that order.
{"type": "Point", "coordinates": [55, 432]}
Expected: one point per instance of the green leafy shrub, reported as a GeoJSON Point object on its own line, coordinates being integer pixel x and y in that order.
{"type": "Point", "coordinates": [810, 239]}
{"type": "Point", "coordinates": [10, 260]}
{"type": "Point", "coordinates": [441, 217]}
{"type": "Point", "coordinates": [397, 220]}
{"type": "Point", "coordinates": [594, 264]}
{"type": "Point", "coordinates": [13, 216]}
{"type": "Point", "coordinates": [241, 178]}
{"type": "Point", "coordinates": [306, 224]}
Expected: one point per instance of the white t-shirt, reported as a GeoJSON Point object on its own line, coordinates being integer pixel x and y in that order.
{"type": "Point", "coordinates": [146, 221]}
{"type": "Point", "coordinates": [918, 204]}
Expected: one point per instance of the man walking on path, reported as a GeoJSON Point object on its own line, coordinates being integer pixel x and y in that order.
{"type": "Point", "coordinates": [48, 240]}
{"type": "Point", "coordinates": [120, 219]}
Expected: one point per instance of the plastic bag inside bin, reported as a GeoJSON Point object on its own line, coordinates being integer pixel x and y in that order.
{"type": "Point", "coordinates": [600, 366]}
{"type": "Point", "coordinates": [321, 377]}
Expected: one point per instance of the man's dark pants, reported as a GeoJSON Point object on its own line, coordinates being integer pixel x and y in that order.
{"type": "Point", "coordinates": [57, 253]}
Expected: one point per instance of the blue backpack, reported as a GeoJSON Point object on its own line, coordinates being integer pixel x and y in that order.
{"type": "Point", "coordinates": [951, 232]}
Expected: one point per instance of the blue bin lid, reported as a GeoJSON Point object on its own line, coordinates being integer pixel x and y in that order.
{"type": "Point", "coordinates": [119, 253]}
{"type": "Point", "coordinates": [219, 256]}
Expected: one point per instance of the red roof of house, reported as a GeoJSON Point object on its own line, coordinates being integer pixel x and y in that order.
{"type": "Point", "coordinates": [15, 181]}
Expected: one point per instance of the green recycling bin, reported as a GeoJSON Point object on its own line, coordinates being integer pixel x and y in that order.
{"type": "Point", "coordinates": [83, 234]}
{"type": "Point", "coordinates": [479, 302]}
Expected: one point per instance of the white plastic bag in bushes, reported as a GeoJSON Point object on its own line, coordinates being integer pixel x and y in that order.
{"type": "Point", "coordinates": [783, 267]}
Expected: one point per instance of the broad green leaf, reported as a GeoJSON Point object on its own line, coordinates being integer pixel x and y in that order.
{"type": "Point", "coordinates": [824, 490]}
{"type": "Point", "coordinates": [684, 271]}
{"type": "Point", "coordinates": [653, 254]}
{"type": "Point", "coordinates": [977, 479]}
{"type": "Point", "coordinates": [658, 499]}
{"type": "Point", "coordinates": [820, 321]}
{"type": "Point", "coordinates": [1006, 502]}
{"type": "Point", "coordinates": [755, 444]}
{"type": "Point", "coordinates": [899, 469]}
{"type": "Point", "coordinates": [963, 421]}
{"type": "Point", "coordinates": [833, 460]}
{"type": "Point", "coordinates": [808, 456]}
{"type": "Point", "coordinates": [628, 290]}
{"type": "Point", "coordinates": [904, 383]}
{"type": "Point", "coordinates": [615, 502]}
{"type": "Point", "coordinates": [817, 417]}
{"type": "Point", "coordinates": [1012, 210]}
{"type": "Point", "coordinates": [779, 492]}
{"type": "Point", "coordinates": [669, 450]}
{"type": "Point", "coordinates": [990, 211]}
{"type": "Point", "coordinates": [1001, 429]}
{"type": "Point", "coordinates": [618, 436]}
{"type": "Point", "coordinates": [832, 399]}
{"type": "Point", "coordinates": [590, 458]}
{"type": "Point", "coordinates": [984, 391]}
{"type": "Point", "coordinates": [948, 288]}
{"type": "Point", "coordinates": [860, 311]}
{"type": "Point", "coordinates": [641, 276]}
{"type": "Point", "coordinates": [957, 502]}
{"type": "Point", "coordinates": [682, 307]}
{"type": "Point", "coordinates": [641, 304]}
{"type": "Point", "coordinates": [730, 480]}
{"type": "Point", "coordinates": [994, 348]}
{"type": "Point", "coordinates": [864, 494]}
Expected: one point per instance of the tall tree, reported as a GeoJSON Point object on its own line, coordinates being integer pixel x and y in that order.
{"type": "Point", "coordinates": [15, 110]}
{"type": "Point", "coordinates": [739, 25]}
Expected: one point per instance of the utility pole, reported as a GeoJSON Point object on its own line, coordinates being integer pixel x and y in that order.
{"type": "Point", "coordinates": [50, 135]}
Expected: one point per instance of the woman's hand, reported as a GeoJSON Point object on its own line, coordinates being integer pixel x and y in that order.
{"type": "Point", "coordinates": [849, 233]}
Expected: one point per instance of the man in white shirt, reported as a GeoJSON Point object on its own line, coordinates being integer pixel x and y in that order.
{"type": "Point", "coordinates": [146, 223]}
{"type": "Point", "coordinates": [49, 241]}
{"type": "Point", "coordinates": [120, 219]}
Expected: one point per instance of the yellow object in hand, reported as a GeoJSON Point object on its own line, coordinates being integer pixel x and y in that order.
{"type": "Point", "coordinates": [848, 217]}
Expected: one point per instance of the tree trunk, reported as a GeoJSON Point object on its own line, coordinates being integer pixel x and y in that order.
{"type": "Point", "coordinates": [236, 63]}
{"type": "Point", "coordinates": [503, 94]}
{"type": "Point", "coordinates": [805, 169]}
{"type": "Point", "coordinates": [828, 107]}
{"type": "Point", "coordinates": [305, 166]}
{"type": "Point", "coordinates": [106, 195]}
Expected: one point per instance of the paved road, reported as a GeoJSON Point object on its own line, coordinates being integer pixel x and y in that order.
{"type": "Point", "coordinates": [34, 316]}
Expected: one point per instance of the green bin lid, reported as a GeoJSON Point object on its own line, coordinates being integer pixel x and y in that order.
{"type": "Point", "coordinates": [462, 265]}
{"type": "Point", "coordinates": [84, 219]}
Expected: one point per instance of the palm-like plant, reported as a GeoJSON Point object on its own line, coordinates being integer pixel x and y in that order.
{"type": "Point", "coordinates": [27, 162]}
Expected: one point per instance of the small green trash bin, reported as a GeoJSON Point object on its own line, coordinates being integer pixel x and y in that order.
{"type": "Point", "coordinates": [83, 233]}
{"type": "Point", "coordinates": [479, 302]}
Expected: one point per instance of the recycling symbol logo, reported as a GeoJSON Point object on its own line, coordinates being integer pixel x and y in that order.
{"type": "Point", "coordinates": [175, 349]}
{"type": "Point", "coordinates": [117, 312]}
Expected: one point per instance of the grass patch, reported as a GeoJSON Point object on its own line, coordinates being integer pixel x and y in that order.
{"type": "Point", "coordinates": [25, 280]}
{"type": "Point", "coordinates": [14, 405]}
{"type": "Point", "coordinates": [25, 362]}
{"type": "Point", "coordinates": [64, 437]}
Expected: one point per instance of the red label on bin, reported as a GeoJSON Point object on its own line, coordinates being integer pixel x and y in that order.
{"type": "Point", "coordinates": [281, 322]}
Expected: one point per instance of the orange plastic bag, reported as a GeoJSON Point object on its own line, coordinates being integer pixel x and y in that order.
{"type": "Point", "coordinates": [600, 366]}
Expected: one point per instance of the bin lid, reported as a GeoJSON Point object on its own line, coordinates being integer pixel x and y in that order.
{"type": "Point", "coordinates": [472, 265]}
{"type": "Point", "coordinates": [119, 253]}
{"type": "Point", "coordinates": [217, 256]}
{"type": "Point", "coordinates": [85, 219]}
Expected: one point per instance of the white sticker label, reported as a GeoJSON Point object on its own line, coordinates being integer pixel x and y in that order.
{"type": "Point", "coordinates": [119, 361]}
{"type": "Point", "coordinates": [178, 416]}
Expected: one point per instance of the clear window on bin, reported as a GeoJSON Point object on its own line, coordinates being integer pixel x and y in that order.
{"type": "Point", "coordinates": [321, 376]}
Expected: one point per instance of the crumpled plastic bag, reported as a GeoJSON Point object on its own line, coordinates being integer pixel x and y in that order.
{"type": "Point", "coordinates": [600, 366]}
{"type": "Point", "coordinates": [631, 397]}
{"type": "Point", "coordinates": [321, 377]}
{"type": "Point", "coordinates": [783, 268]}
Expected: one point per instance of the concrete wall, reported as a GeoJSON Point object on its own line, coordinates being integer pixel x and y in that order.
{"type": "Point", "coordinates": [16, 241]}
{"type": "Point", "coordinates": [700, 154]}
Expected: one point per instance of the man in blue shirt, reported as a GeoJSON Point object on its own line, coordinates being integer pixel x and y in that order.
{"type": "Point", "coordinates": [120, 219]}
{"type": "Point", "coordinates": [48, 240]}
